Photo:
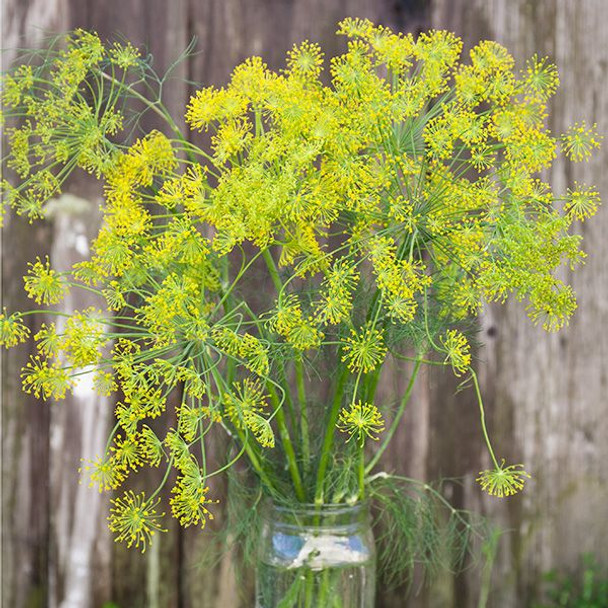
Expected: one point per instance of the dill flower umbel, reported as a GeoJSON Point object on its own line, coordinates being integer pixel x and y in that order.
{"type": "Point", "coordinates": [105, 473]}
{"type": "Point", "coordinates": [503, 480]}
{"type": "Point", "coordinates": [361, 420]}
{"type": "Point", "coordinates": [579, 141]}
{"type": "Point", "coordinates": [43, 284]}
{"type": "Point", "coordinates": [189, 503]}
{"type": "Point", "coordinates": [12, 330]}
{"type": "Point", "coordinates": [457, 351]}
{"type": "Point", "coordinates": [134, 519]}
{"type": "Point", "coordinates": [364, 349]}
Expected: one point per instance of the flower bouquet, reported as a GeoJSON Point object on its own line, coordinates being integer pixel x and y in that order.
{"type": "Point", "coordinates": [257, 285]}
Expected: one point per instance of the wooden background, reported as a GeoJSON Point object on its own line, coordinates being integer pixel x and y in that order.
{"type": "Point", "coordinates": [547, 394]}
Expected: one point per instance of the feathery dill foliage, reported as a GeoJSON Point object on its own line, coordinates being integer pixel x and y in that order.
{"type": "Point", "coordinates": [383, 208]}
{"type": "Point", "coordinates": [418, 530]}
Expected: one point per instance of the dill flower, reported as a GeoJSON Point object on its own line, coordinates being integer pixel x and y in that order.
{"type": "Point", "coordinates": [364, 349]}
{"type": "Point", "coordinates": [582, 202]}
{"type": "Point", "coordinates": [458, 351]}
{"type": "Point", "coordinates": [337, 293]}
{"type": "Point", "coordinates": [123, 55]}
{"type": "Point", "coordinates": [103, 383]}
{"type": "Point", "coordinates": [579, 141]}
{"type": "Point", "coordinates": [503, 481]}
{"type": "Point", "coordinates": [188, 504]}
{"type": "Point", "coordinates": [245, 347]}
{"type": "Point", "coordinates": [361, 420]}
{"type": "Point", "coordinates": [289, 321]}
{"type": "Point", "coordinates": [49, 342]}
{"type": "Point", "coordinates": [245, 396]}
{"type": "Point", "coordinates": [12, 330]}
{"type": "Point", "coordinates": [150, 446]}
{"type": "Point", "coordinates": [104, 473]}
{"type": "Point", "coordinates": [541, 78]}
{"type": "Point", "coordinates": [84, 337]}
{"type": "Point", "coordinates": [43, 284]}
{"type": "Point", "coordinates": [260, 427]}
{"type": "Point", "coordinates": [135, 520]}
{"type": "Point", "coordinates": [179, 450]}
{"type": "Point", "coordinates": [126, 451]}
{"type": "Point", "coordinates": [189, 419]}
{"type": "Point", "coordinates": [44, 380]}
{"type": "Point", "coordinates": [305, 59]}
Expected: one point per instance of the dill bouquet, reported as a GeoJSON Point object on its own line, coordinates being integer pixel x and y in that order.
{"type": "Point", "coordinates": [257, 284]}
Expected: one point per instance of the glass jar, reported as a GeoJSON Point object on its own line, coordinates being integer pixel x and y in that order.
{"type": "Point", "coordinates": [316, 556]}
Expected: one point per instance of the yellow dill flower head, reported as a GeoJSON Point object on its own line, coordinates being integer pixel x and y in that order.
{"type": "Point", "coordinates": [579, 141]}
{"type": "Point", "coordinates": [210, 104]}
{"type": "Point", "coordinates": [458, 351]}
{"type": "Point", "coordinates": [361, 420]}
{"type": "Point", "coordinates": [552, 303]}
{"type": "Point", "coordinates": [252, 82]}
{"type": "Point", "coordinates": [541, 78]}
{"type": "Point", "coordinates": [364, 349]}
{"type": "Point", "coordinates": [12, 330]}
{"type": "Point", "coordinates": [582, 202]}
{"type": "Point", "coordinates": [49, 381]}
{"type": "Point", "coordinates": [150, 446]}
{"type": "Point", "coordinates": [305, 60]}
{"type": "Point", "coordinates": [232, 138]}
{"type": "Point", "coordinates": [179, 450]}
{"type": "Point", "coordinates": [189, 420]}
{"type": "Point", "coordinates": [245, 396]}
{"type": "Point", "coordinates": [260, 427]}
{"type": "Point", "coordinates": [189, 503]}
{"type": "Point", "coordinates": [103, 383]}
{"type": "Point", "coordinates": [245, 347]}
{"type": "Point", "coordinates": [84, 337]}
{"type": "Point", "coordinates": [490, 56]}
{"type": "Point", "coordinates": [337, 293]}
{"type": "Point", "coordinates": [14, 86]}
{"type": "Point", "coordinates": [288, 321]}
{"type": "Point", "coordinates": [393, 49]}
{"type": "Point", "coordinates": [104, 473]}
{"type": "Point", "coordinates": [503, 481]}
{"type": "Point", "coordinates": [123, 55]}
{"type": "Point", "coordinates": [531, 148]}
{"type": "Point", "coordinates": [355, 27]}
{"type": "Point", "coordinates": [43, 284]}
{"type": "Point", "coordinates": [135, 519]}
{"type": "Point", "coordinates": [194, 383]}
{"type": "Point", "coordinates": [126, 451]}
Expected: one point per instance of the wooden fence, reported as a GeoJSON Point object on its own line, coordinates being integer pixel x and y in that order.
{"type": "Point", "coordinates": [546, 394]}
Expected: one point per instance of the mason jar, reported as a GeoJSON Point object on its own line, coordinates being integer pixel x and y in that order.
{"type": "Point", "coordinates": [316, 556]}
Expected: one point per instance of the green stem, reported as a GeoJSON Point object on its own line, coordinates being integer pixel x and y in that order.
{"type": "Point", "coordinates": [164, 480]}
{"type": "Point", "coordinates": [303, 414]}
{"type": "Point", "coordinates": [273, 270]}
{"type": "Point", "coordinates": [393, 428]}
{"type": "Point", "coordinates": [482, 416]}
{"type": "Point", "coordinates": [253, 458]}
{"type": "Point", "coordinates": [280, 415]}
{"type": "Point", "coordinates": [328, 439]}
{"type": "Point", "coordinates": [362, 471]}
{"type": "Point", "coordinates": [287, 446]}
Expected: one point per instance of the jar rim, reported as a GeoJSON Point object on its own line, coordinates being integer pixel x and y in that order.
{"type": "Point", "coordinates": [312, 508]}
